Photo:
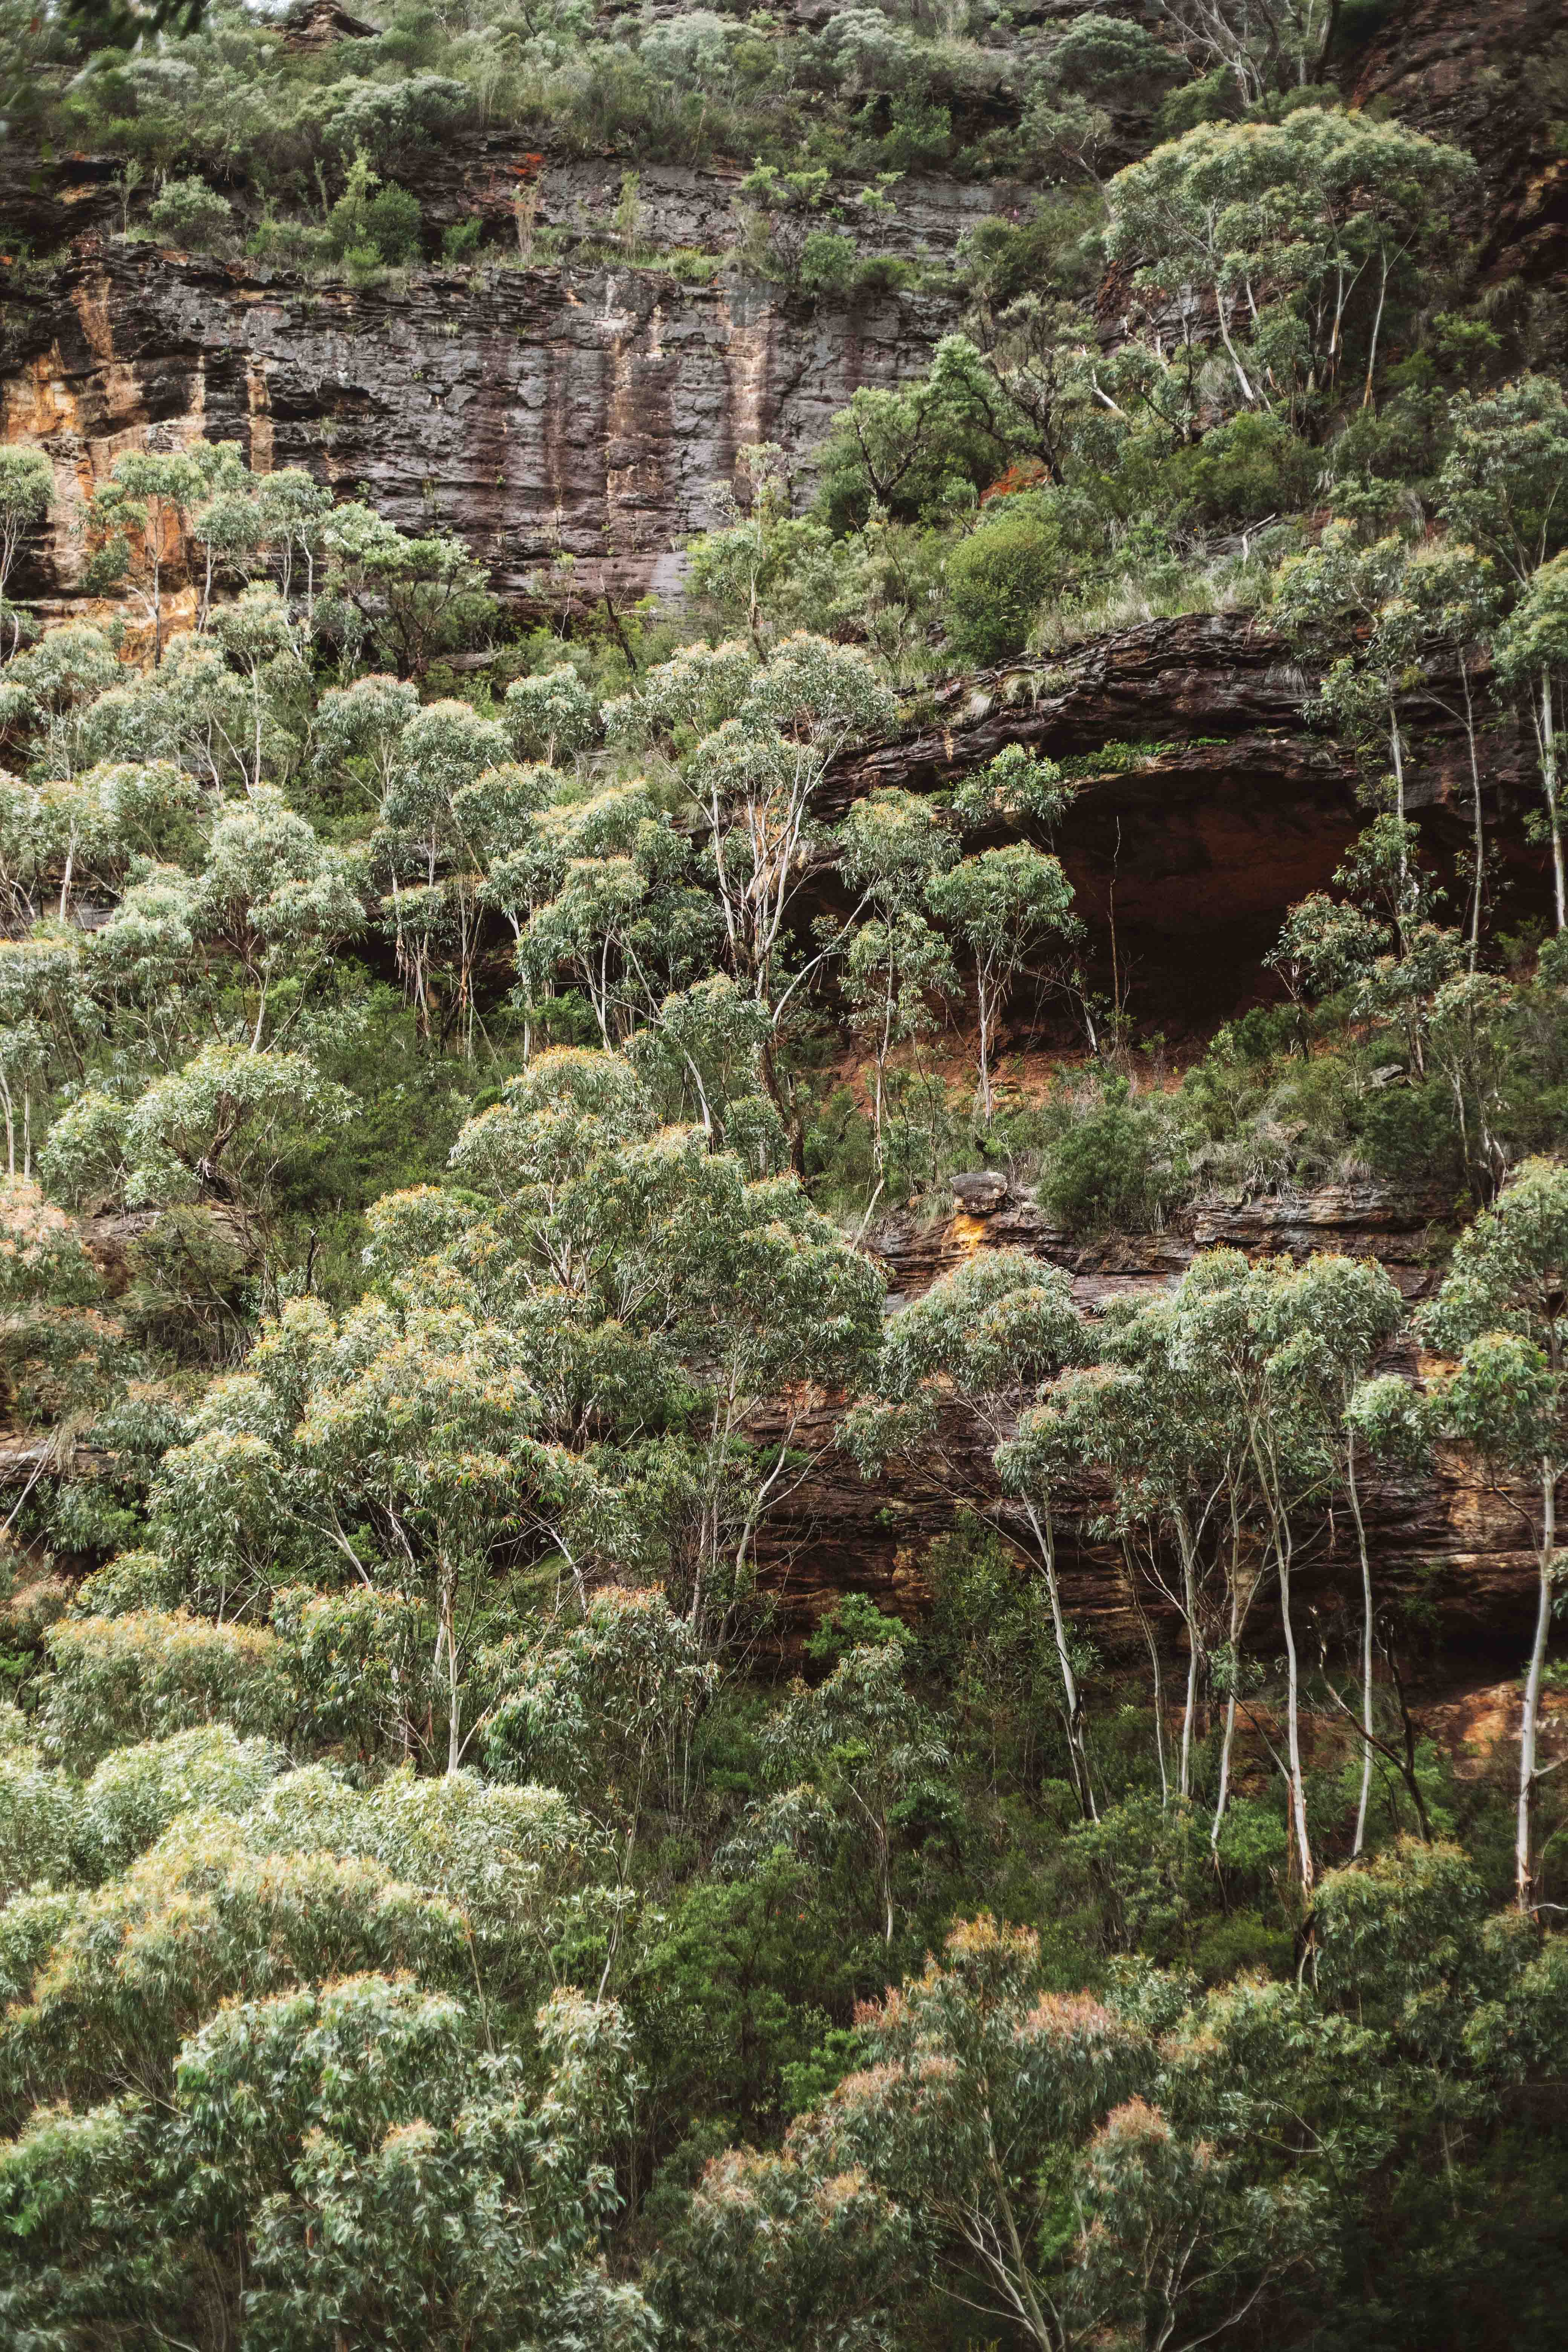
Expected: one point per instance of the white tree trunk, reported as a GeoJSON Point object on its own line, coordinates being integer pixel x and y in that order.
{"type": "Point", "coordinates": [1548, 729]}
{"type": "Point", "coordinates": [1523, 1866]}
{"type": "Point", "coordinates": [1072, 1698]}
{"type": "Point", "coordinates": [1366, 1653]}
{"type": "Point", "coordinates": [1293, 1729]}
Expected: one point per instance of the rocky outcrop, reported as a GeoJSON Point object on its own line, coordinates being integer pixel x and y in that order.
{"type": "Point", "coordinates": [1470, 71]}
{"type": "Point", "coordinates": [1185, 855]}
{"type": "Point", "coordinates": [1459, 1541]}
{"type": "Point", "coordinates": [1407, 1234]}
{"type": "Point", "coordinates": [581, 408]}
{"type": "Point", "coordinates": [537, 412]}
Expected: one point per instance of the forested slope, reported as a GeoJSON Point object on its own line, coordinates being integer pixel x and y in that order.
{"type": "Point", "coordinates": [784, 1048]}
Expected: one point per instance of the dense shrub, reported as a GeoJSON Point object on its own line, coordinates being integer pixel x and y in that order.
{"type": "Point", "coordinates": [997, 580]}
{"type": "Point", "coordinates": [150, 1673]}
{"type": "Point", "coordinates": [1116, 1166]}
{"type": "Point", "coordinates": [1412, 1137]}
{"type": "Point", "coordinates": [189, 213]}
{"type": "Point", "coordinates": [1247, 470]}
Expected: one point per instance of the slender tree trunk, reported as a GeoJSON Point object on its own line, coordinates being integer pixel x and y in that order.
{"type": "Point", "coordinates": [1159, 1679]}
{"type": "Point", "coordinates": [1072, 1698]}
{"type": "Point", "coordinates": [454, 1701]}
{"type": "Point", "coordinates": [1293, 1725]}
{"type": "Point", "coordinates": [1523, 1866]}
{"type": "Point", "coordinates": [981, 995]}
{"type": "Point", "coordinates": [1547, 724]}
{"type": "Point", "coordinates": [1396, 753]}
{"type": "Point", "coordinates": [1227, 1739]}
{"type": "Point", "coordinates": [1190, 1706]}
{"type": "Point", "coordinates": [1376, 330]}
{"type": "Point", "coordinates": [1475, 807]}
{"type": "Point", "coordinates": [1366, 1650]}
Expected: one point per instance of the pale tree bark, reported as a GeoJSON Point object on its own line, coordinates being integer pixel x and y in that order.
{"type": "Point", "coordinates": [1529, 1731]}
{"type": "Point", "coordinates": [1366, 1649]}
{"type": "Point", "coordinates": [1239, 1604]}
{"type": "Point", "coordinates": [1072, 1696]}
{"type": "Point", "coordinates": [1546, 730]}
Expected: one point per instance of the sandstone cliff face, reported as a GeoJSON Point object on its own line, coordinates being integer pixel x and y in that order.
{"type": "Point", "coordinates": [583, 410]}
{"type": "Point", "coordinates": [537, 412]}
{"type": "Point", "coordinates": [1470, 71]}
{"type": "Point", "coordinates": [586, 410]}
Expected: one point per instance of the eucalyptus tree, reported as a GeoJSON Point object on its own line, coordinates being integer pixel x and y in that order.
{"type": "Point", "coordinates": [1071, 2171]}
{"type": "Point", "coordinates": [1503, 1310]}
{"type": "Point", "coordinates": [358, 732]}
{"type": "Point", "coordinates": [983, 1342]}
{"type": "Point", "coordinates": [893, 847]}
{"type": "Point", "coordinates": [291, 512]}
{"type": "Point", "coordinates": [142, 516]}
{"type": "Point", "coordinates": [701, 1058]}
{"type": "Point", "coordinates": [409, 597]}
{"type": "Point", "coordinates": [615, 910]}
{"type": "Point", "coordinates": [1504, 484]}
{"type": "Point", "coordinates": [1504, 481]}
{"type": "Point", "coordinates": [421, 854]}
{"type": "Point", "coordinates": [1004, 905]}
{"type": "Point", "coordinates": [264, 1880]}
{"type": "Point", "coordinates": [148, 1674]}
{"type": "Point", "coordinates": [196, 709]}
{"type": "Point", "coordinates": [276, 900]}
{"type": "Point", "coordinates": [552, 715]}
{"type": "Point", "coordinates": [258, 634]}
{"type": "Point", "coordinates": [1100, 63]}
{"type": "Point", "coordinates": [679, 1324]}
{"type": "Point", "coordinates": [44, 1030]}
{"type": "Point", "coordinates": [47, 691]}
{"type": "Point", "coordinates": [216, 1129]}
{"type": "Point", "coordinates": [1276, 226]}
{"type": "Point", "coordinates": [1264, 45]}
{"type": "Point", "coordinates": [1153, 1420]}
{"type": "Point", "coordinates": [1455, 597]}
{"type": "Point", "coordinates": [1387, 1419]}
{"type": "Point", "coordinates": [1340, 1313]}
{"type": "Point", "coordinates": [851, 1750]}
{"type": "Point", "coordinates": [85, 833]}
{"type": "Point", "coordinates": [765, 730]}
{"type": "Point", "coordinates": [1532, 653]}
{"type": "Point", "coordinates": [349, 2159]}
{"type": "Point", "coordinates": [224, 522]}
{"type": "Point", "coordinates": [27, 494]}
{"type": "Point", "coordinates": [1283, 1346]}
{"type": "Point", "coordinates": [1341, 586]}
{"type": "Point", "coordinates": [608, 1710]}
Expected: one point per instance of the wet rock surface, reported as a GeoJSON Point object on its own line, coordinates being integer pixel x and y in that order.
{"type": "Point", "coordinates": [537, 412]}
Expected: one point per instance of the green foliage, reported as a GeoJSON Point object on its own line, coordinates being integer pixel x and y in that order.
{"type": "Point", "coordinates": [189, 213]}
{"type": "Point", "coordinates": [412, 1422]}
{"type": "Point", "coordinates": [997, 580]}
{"type": "Point", "coordinates": [149, 1673]}
{"type": "Point", "coordinates": [1114, 1167]}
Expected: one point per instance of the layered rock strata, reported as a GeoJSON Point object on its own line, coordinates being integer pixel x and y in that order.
{"type": "Point", "coordinates": [1461, 1542]}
